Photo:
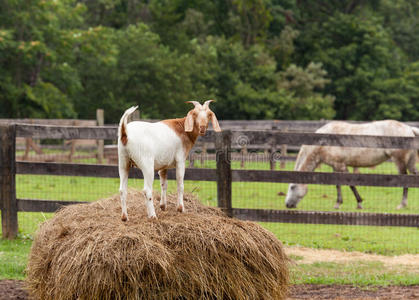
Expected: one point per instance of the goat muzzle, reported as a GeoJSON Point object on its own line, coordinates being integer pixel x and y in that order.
{"type": "Point", "coordinates": [202, 130]}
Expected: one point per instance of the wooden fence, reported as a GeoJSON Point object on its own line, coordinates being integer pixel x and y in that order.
{"type": "Point", "coordinates": [241, 143]}
{"type": "Point", "coordinates": [28, 144]}
{"type": "Point", "coordinates": [223, 174]}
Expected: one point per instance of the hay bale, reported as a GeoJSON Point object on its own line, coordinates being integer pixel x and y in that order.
{"type": "Point", "coordinates": [86, 252]}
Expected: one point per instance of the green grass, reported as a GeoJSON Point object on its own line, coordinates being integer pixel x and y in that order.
{"type": "Point", "coordinates": [13, 257]}
{"type": "Point", "coordinates": [368, 239]}
{"type": "Point", "coordinates": [361, 273]}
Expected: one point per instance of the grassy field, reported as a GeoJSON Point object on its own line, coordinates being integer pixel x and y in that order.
{"type": "Point", "coordinates": [368, 239]}
{"type": "Point", "coordinates": [361, 273]}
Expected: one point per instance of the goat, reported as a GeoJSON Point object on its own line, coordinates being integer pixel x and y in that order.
{"type": "Point", "coordinates": [158, 147]}
{"type": "Point", "coordinates": [339, 158]}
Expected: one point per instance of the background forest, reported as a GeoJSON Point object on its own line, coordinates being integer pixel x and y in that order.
{"type": "Point", "coordinates": [260, 59]}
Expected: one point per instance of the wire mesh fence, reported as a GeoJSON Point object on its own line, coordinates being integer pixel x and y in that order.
{"type": "Point", "coordinates": [385, 240]}
{"type": "Point", "coordinates": [371, 239]}
{"type": "Point", "coordinates": [253, 195]}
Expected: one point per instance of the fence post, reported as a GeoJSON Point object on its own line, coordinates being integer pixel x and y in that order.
{"type": "Point", "coordinates": [192, 158]}
{"type": "Point", "coordinates": [272, 161]}
{"type": "Point", "coordinates": [100, 117]}
{"type": "Point", "coordinates": [283, 152]}
{"type": "Point", "coordinates": [135, 116]}
{"type": "Point", "coordinates": [224, 179]}
{"type": "Point", "coordinates": [8, 202]}
{"type": "Point", "coordinates": [244, 154]}
{"type": "Point", "coordinates": [203, 154]}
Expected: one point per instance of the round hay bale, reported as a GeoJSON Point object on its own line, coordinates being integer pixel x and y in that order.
{"type": "Point", "coordinates": [87, 252]}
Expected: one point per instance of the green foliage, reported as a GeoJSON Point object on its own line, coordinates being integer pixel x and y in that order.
{"type": "Point", "coordinates": [401, 19]}
{"type": "Point", "coordinates": [359, 55]}
{"type": "Point", "coordinates": [249, 87]}
{"type": "Point", "coordinates": [33, 47]}
{"type": "Point", "coordinates": [282, 59]}
{"type": "Point", "coordinates": [137, 69]}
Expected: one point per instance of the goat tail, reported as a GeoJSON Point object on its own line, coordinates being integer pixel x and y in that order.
{"type": "Point", "coordinates": [415, 130]}
{"type": "Point", "coordinates": [122, 130]}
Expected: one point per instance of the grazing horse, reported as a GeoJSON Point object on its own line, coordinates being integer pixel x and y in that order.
{"type": "Point", "coordinates": [340, 158]}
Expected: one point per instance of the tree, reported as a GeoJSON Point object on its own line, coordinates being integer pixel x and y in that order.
{"type": "Point", "coordinates": [247, 85]}
{"type": "Point", "coordinates": [37, 79]}
{"type": "Point", "coordinates": [359, 56]}
{"type": "Point", "coordinates": [130, 66]}
{"type": "Point", "coordinates": [401, 20]}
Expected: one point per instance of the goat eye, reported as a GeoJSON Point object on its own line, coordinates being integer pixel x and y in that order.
{"type": "Point", "coordinates": [293, 187]}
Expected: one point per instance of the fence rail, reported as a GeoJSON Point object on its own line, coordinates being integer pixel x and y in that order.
{"type": "Point", "coordinates": [252, 137]}
{"type": "Point", "coordinates": [223, 174]}
{"type": "Point", "coordinates": [205, 174]}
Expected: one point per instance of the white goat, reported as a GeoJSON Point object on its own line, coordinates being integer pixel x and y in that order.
{"type": "Point", "coordinates": [158, 147]}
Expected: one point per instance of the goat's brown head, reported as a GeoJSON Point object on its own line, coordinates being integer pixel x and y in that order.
{"type": "Point", "coordinates": [200, 117]}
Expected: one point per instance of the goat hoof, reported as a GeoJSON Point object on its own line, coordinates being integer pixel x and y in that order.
{"type": "Point", "coordinates": [163, 207]}
{"type": "Point", "coordinates": [400, 206]}
{"type": "Point", "coordinates": [124, 217]}
{"type": "Point", "coordinates": [180, 208]}
{"type": "Point", "coordinates": [336, 206]}
{"type": "Point", "coordinates": [154, 217]}
{"type": "Point", "coordinates": [359, 206]}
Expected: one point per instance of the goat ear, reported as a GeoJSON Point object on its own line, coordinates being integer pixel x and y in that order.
{"type": "Point", "coordinates": [189, 122]}
{"type": "Point", "coordinates": [215, 124]}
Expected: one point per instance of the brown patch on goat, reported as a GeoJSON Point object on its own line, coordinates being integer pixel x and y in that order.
{"type": "Point", "coordinates": [131, 163]}
{"type": "Point", "coordinates": [124, 138]}
{"type": "Point", "coordinates": [188, 138]}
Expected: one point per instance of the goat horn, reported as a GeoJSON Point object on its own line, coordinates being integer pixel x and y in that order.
{"type": "Point", "coordinates": [206, 103]}
{"type": "Point", "coordinates": [196, 103]}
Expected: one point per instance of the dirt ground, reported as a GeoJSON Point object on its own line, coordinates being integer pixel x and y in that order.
{"type": "Point", "coordinates": [343, 292]}
{"type": "Point", "coordinates": [13, 289]}
{"type": "Point", "coordinates": [310, 255]}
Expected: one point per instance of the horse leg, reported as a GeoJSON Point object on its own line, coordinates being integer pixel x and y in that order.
{"type": "Point", "coordinates": [339, 200]}
{"type": "Point", "coordinates": [403, 171]}
{"type": "Point", "coordinates": [343, 168]}
{"type": "Point", "coordinates": [403, 203]}
{"type": "Point", "coordinates": [357, 196]}
{"type": "Point", "coordinates": [404, 199]}
{"type": "Point", "coordinates": [339, 168]}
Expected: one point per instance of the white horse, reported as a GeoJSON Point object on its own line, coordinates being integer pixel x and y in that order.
{"type": "Point", "coordinates": [339, 158]}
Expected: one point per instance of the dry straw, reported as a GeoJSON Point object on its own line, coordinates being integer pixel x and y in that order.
{"type": "Point", "coordinates": [87, 252]}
